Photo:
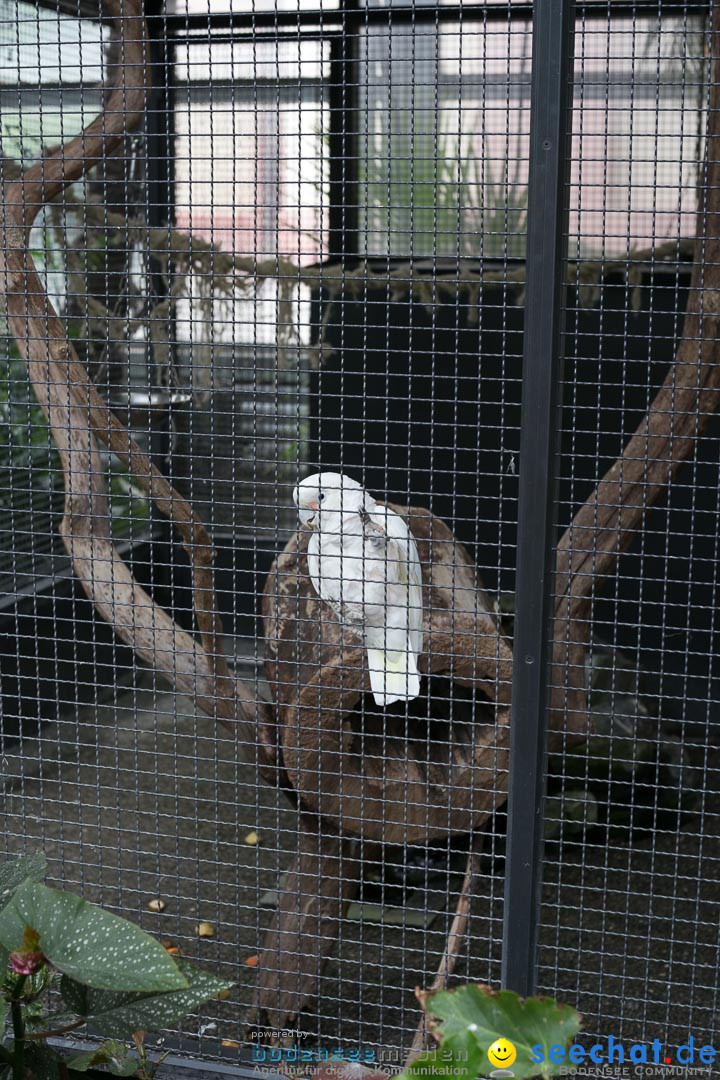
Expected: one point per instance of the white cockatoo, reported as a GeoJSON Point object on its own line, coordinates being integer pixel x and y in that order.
{"type": "Point", "coordinates": [364, 563]}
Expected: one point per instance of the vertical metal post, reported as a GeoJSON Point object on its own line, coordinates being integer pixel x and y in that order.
{"type": "Point", "coordinates": [343, 141]}
{"type": "Point", "coordinates": [552, 72]}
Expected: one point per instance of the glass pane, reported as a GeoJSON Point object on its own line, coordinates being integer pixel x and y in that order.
{"type": "Point", "coordinates": [443, 150]}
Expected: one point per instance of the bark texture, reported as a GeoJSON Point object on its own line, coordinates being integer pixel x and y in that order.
{"type": "Point", "coordinates": [79, 418]}
{"type": "Point", "coordinates": [373, 773]}
{"type": "Point", "coordinates": [605, 525]}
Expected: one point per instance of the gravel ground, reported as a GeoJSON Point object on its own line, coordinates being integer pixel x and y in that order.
{"type": "Point", "coordinates": [140, 798]}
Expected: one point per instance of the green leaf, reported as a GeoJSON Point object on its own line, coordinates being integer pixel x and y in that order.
{"type": "Point", "coordinates": [118, 1015]}
{"type": "Point", "coordinates": [468, 1021]}
{"type": "Point", "coordinates": [45, 1022]}
{"type": "Point", "coordinates": [44, 1062]}
{"type": "Point", "coordinates": [111, 1055]}
{"type": "Point", "coordinates": [18, 871]}
{"type": "Point", "coordinates": [75, 995]}
{"type": "Point", "coordinates": [89, 944]}
{"type": "Point", "coordinates": [3, 1017]}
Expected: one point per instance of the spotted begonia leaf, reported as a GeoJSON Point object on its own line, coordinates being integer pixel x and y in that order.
{"type": "Point", "coordinates": [90, 945]}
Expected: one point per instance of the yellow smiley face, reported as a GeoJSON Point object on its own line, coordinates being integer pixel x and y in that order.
{"type": "Point", "coordinates": [502, 1053]}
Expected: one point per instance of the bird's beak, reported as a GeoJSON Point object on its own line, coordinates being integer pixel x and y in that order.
{"type": "Point", "coordinates": [307, 514]}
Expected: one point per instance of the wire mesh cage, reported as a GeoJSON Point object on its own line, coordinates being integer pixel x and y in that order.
{"type": "Point", "coordinates": [465, 255]}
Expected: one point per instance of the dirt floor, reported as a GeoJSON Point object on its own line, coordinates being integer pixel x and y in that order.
{"type": "Point", "coordinates": [140, 797]}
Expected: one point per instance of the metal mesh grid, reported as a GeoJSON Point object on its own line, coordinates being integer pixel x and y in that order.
{"type": "Point", "coordinates": [311, 255]}
{"type": "Point", "coordinates": [629, 925]}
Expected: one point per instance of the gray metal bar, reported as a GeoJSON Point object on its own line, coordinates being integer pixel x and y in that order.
{"type": "Point", "coordinates": [552, 73]}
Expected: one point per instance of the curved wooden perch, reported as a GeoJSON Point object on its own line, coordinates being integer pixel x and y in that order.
{"type": "Point", "coordinates": [381, 782]}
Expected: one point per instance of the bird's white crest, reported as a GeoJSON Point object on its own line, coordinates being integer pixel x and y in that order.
{"type": "Point", "coordinates": [327, 496]}
{"type": "Point", "coordinates": [363, 562]}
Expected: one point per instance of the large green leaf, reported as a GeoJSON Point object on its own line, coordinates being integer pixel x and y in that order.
{"type": "Point", "coordinates": [18, 871]}
{"type": "Point", "coordinates": [87, 943]}
{"type": "Point", "coordinates": [112, 1055]}
{"type": "Point", "coordinates": [468, 1021]}
{"type": "Point", "coordinates": [118, 1015]}
{"type": "Point", "coordinates": [43, 1062]}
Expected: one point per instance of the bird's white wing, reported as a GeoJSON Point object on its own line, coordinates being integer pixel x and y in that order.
{"type": "Point", "coordinates": [314, 564]}
{"type": "Point", "coordinates": [404, 563]}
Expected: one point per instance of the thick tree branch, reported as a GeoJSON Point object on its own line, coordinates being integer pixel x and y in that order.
{"type": "Point", "coordinates": [605, 525]}
{"type": "Point", "coordinates": [77, 417]}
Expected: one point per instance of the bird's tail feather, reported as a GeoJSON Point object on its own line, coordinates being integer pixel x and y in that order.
{"type": "Point", "coordinates": [393, 676]}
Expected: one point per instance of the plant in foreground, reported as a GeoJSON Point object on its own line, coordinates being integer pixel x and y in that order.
{"type": "Point", "coordinates": [107, 973]}
{"type": "Point", "coordinates": [472, 1020]}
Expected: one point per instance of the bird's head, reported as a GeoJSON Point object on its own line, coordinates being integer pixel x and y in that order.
{"type": "Point", "coordinates": [328, 496]}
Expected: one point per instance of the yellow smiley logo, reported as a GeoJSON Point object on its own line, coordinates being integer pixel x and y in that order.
{"type": "Point", "coordinates": [502, 1053]}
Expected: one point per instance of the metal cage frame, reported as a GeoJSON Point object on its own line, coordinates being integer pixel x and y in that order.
{"type": "Point", "coordinates": [544, 329]}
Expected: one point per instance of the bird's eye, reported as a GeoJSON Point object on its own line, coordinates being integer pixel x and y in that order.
{"type": "Point", "coordinates": [321, 496]}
